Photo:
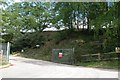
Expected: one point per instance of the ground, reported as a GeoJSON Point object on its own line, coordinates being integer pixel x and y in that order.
{"type": "Point", "coordinates": [31, 68]}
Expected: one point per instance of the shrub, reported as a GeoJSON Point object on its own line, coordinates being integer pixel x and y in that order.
{"type": "Point", "coordinates": [7, 37]}
{"type": "Point", "coordinates": [62, 35]}
{"type": "Point", "coordinates": [28, 41]}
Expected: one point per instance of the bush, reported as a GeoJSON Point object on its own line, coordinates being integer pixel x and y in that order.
{"type": "Point", "coordinates": [2, 40]}
{"type": "Point", "coordinates": [7, 37]}
{"type": "Point", "coordinates": [62, 35]}
{"type": "Point", "coordinates": [28, 41]}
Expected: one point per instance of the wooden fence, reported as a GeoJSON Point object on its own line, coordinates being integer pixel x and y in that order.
{"type": "Point", "coordinates": [100, 56]}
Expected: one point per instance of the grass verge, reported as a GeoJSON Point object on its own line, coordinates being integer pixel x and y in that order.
{"type": "Point", "coordinates": [111, 64]}
{"type": "Point", "coordinates": [3, 62]}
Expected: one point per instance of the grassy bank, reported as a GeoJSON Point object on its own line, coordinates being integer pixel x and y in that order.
{"type": "Point", "coordinates": [111, 64]}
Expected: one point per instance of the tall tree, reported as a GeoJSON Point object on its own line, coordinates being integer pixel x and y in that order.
{"type": "Point", "coordinates": [27, 16]}
{"type": "Point", "coordinates": [109, 22]}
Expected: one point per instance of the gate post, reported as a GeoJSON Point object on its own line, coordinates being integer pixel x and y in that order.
{"type": "Point", "coordinates": [8, 51]}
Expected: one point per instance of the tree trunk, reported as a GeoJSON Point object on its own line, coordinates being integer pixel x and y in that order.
{"type": "Point", "coordinates": [88, 23]}
{"type": "Point", "coordinates": [78, 25]}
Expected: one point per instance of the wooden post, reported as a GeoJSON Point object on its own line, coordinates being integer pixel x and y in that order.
{"type": "Point", "coordinates": [117, 50]}
{"type": "Point", "coordinates": [99, 57]}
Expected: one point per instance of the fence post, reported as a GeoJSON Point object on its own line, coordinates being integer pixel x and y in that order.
{"type": "Point", "coordinates": [99, 56]}
{"type": "Point", "coordinates": [73, 58]}
{"type": "Point", "coordinates": [1, 56]}
{"type": "Point", "coordinates": [8, 51]}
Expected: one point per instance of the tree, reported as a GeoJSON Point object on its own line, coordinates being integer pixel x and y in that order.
{"type": "Point", "coordinates": [78, 14]}
{"type": "Point", "coordinates": [109, 22]}
{"type": "Point", "coordinates": [26, 16]}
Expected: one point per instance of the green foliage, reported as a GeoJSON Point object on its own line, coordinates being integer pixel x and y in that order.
{"type": "Point", "coordinates": [110, 21]}
{"type": "Point", "coordinates": [7, 37]}
{"type": "Point", "coordinates": [36, 54]}
{"type": "Point", "coordinates": [62, 35]}
{"type": "Point", "coordinates": [2, 40]}
{"type": "Point", "coordinates": [28, 41]}
{"type": "Point", "coordinates": [82, 43]}
{"type": "Point", "coordinates": [100, 64]}
{"type": "Point", "coordinates": [25, 16]}
{"type": "Point", "coordinates": [37, 16]}
{"type": "Point", "coordinates": [65, 14]}
{"type": "Point", "coordinates": [76, 12]}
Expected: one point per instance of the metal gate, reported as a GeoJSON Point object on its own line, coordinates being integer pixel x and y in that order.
{"type": "Point", "coordinates": [63, 56]}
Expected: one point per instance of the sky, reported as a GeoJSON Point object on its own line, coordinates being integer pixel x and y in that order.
{"type": "Point", "coordinates": [17, 0]}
